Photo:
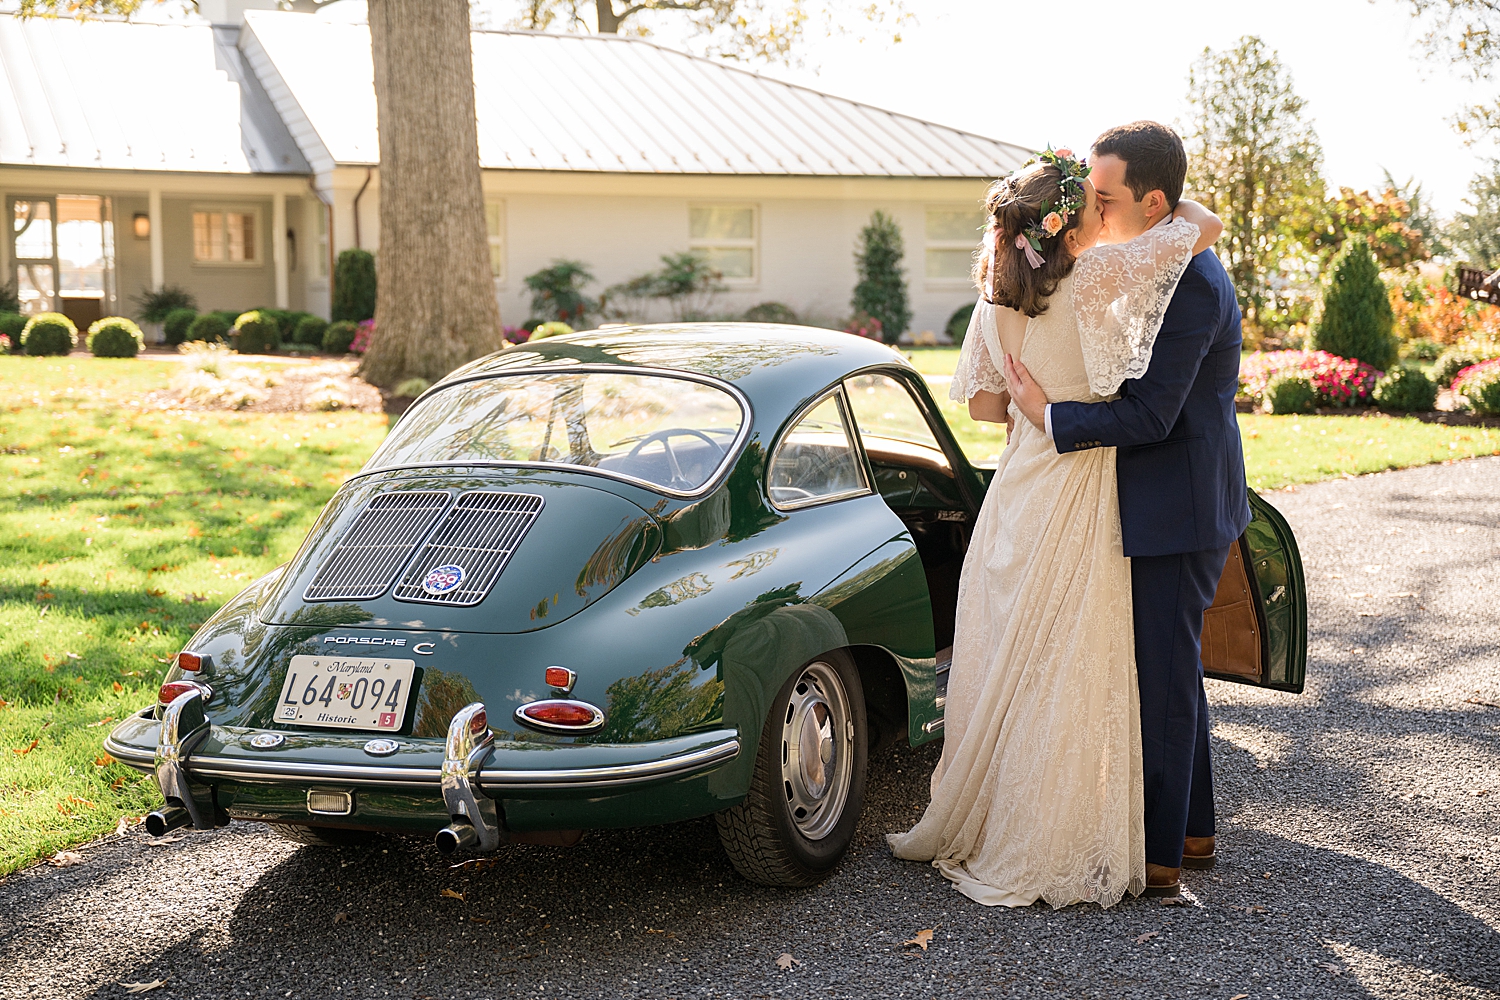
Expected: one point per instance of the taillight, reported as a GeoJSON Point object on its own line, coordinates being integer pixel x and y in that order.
{"type": "Point", "coordinates": [561, 715]}
{"type": "Point", "coordinates": [479, 724]}
{"type": "Point", "coordinates": [561, 677]}
{"type": "Point", "coordinates": [172, 690]}
{"type": "Point", "coordinates": [193, 662]}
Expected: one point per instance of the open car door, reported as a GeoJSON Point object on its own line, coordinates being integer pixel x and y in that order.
{"type": "Point", "coordinates": [1256, 630]}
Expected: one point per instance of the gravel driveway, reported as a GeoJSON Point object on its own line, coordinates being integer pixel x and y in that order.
{"type": "Point", "coordinates": [1359, 849]}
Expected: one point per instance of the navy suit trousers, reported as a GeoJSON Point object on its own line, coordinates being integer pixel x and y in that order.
{"type": "Point", "coordinates": [1170, 595]}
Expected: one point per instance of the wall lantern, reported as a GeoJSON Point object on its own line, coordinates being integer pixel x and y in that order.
{"type": "Point", "coordinates": [141, 226]}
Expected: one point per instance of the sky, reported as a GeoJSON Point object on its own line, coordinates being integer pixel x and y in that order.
{"type": "Point", "coordinates": [1045, 71]}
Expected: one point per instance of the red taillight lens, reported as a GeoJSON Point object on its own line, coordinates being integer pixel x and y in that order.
{"type": "Point", "coordinates": [560, 677]}
{"type": "Point", "coordinates": [172, 690]}
{"type": "Point", "coordinates": [479, 724]}
{"type": "Point", "coordinates": [191, 662]}
{"type": "Point", "coordinates": [562, 714]}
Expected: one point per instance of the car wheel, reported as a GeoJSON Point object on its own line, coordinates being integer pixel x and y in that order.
{"type": "Point", "coordinates": [809, 783]}
{"type": "Point", "coordinates": [322, 836]}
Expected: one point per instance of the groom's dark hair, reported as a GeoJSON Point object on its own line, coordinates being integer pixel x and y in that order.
{"type": "Point", "coordinates": [1153, 155]}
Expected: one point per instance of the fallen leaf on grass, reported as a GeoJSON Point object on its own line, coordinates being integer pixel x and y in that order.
{"type": "Point", "coordinates": [104, 761]}
{"type": "Point", "coordinates": [74, 656]}
{"type": "Point", "coordinates": [102, 722]}
{"type": "Point", "coordinates": [125, 823]}
{"type": "Point", "coordinates": [785, 961]}
{"type": "Point", "coordinates": [143, 987]}
{"type": "Point", "coordinates": [1143, 938]}
{"type": "Point", "coordinates": [118, 687]}
{"type": "Point", "coordinates": [922, 940]}
{"type": "Point", "coordinates": [65, 859]}
{"type": "Point", "coordinates": [27, 749]}
{"type": "Point", "coordinates": [155, 593]}
{"type": "Point", "coordinates": [453, 895]}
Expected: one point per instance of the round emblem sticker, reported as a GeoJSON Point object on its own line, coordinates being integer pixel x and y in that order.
{"type": "Point", "coordinates": [443, 579]}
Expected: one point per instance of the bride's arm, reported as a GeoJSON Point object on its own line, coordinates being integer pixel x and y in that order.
{"type": "Point", "coordinates": [1210, 228]}
{"type": "Point", "coordinates": [989, 406]}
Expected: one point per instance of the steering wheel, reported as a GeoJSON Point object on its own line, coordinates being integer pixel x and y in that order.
{"type": "Point", "coordinates": [665, 437]}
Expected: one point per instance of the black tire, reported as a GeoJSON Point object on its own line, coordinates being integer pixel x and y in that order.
{"type": "Point", "coordinates": [323, 836]}
{"type": "Point", "coordinates": [770, 837]}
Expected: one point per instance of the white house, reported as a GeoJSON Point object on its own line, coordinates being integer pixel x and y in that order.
{"type": "Point", "coordinates": [236, 160]}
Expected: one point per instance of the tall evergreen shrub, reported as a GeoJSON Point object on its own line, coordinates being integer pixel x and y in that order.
{"type": "Point", "coordinates": [354, 286]}
{"type": "Point", "coordinates": [1357, 319]}
{"type": "Point", "coordinates": [881, 291]}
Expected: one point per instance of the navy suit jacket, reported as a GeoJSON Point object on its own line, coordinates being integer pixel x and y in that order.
{"type": "Point", "coordinates": [1181, 467]}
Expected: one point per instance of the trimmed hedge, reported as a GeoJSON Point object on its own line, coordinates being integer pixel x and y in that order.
{"type": "Point", "coordinates": [310, 330]}
{"type": "Point", "coordinates": [256, 332]}
{"type": "Point", "coordinates": [175, 327]}
{"type": "Point", "coordinates": [1291, 393]}
{"type": "Point", "coordinates": [115, 337]}
{"type": "Point", "coordinates": [1406, 387]}
{"type": "Point", "coordinates": [211, 328]}
{"type": "Point", "coordinates": [338, 336]}
{"type": "Point", "coordinates": [48, 334]}
{"type": "Point", "coordinates": [958, 323]}
{"type": "Point", "coordinates": [11, 324]}
{"type": "Point", "coordinates": [1357, 320]}
{"type": "Point", "coordinates": [771, 312]}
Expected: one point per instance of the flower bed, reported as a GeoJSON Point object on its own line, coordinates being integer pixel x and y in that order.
{"type": "Point", "coordinates": [1480, 385]}
{"type": "Point", "coordinates": [1338, 381]}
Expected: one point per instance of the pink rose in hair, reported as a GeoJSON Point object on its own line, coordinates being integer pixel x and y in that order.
{"type": "Point", "coordinates": [1053, 223]}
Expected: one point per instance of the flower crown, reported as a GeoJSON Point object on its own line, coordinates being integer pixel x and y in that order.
{"type": "Point", "coordinates": [1054, 216]}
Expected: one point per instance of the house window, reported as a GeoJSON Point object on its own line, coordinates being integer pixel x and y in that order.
{"type": "Point", "coordinates": [728, 236]}
{"type": "Point", "coordinates": [952, 234]}
{"type": "Point", "coordinates": [226, 236]}
{"type": "Point", "coordinates": [494, 226]}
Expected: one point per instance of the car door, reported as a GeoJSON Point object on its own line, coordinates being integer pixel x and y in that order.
{"type": "Point", "coordinates": [1256, 630]}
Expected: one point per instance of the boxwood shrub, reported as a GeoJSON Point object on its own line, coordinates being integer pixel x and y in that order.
{"type": "Point", "coordinates": [338, 336]}
{"type": "Point", "coordinates": [49, 333]}
{"type": "Point", "coordinates": [1406, 387]}
{"type": "Point", "coordinates": [175, 327]}
{"type": "Point", "coordinates": [1291, 393]}
{"type": "Point", "coordinates": [310, 330]}
{"type": "Point", "coordinates": [958, 323]}
{"type": "Point", "coordinates": [255, 332]}
{"type": "Point", "coordinates": [211, 328]}
{"type": "Point", "coordinates": [115, 337]}
{"type": "Point", "coordinates": [11, 324]}
{"type": "Point", "coordinates": [771, 312]}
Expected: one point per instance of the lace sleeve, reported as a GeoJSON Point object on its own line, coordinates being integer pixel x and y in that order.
{"type": "Point", "coordinates": [1120, 295]}
{"type": "Point", "coordinates": [976, 372]}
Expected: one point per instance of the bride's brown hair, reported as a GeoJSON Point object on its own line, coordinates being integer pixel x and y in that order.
{"type": "Point", "coordinates": [1012, 204]}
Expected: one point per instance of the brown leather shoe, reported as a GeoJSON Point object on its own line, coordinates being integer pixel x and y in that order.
{"type": "Point", "coordinates": [1162, 881]}
{"type": "Point", "coordinates": [1198, 852]}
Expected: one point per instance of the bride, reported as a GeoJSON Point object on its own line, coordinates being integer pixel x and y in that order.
{"type": "Point", "coordinates": [1038, 794]}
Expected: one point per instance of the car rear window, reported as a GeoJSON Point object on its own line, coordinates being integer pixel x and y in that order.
{"type": "Point", "coordinates": [670, 433]}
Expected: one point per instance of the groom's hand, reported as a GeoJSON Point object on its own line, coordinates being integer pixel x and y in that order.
{"type": "Point", "coordinates": [1027, 395]}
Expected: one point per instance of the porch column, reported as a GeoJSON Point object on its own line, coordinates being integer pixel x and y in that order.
{"type": "Point", "coordinates": [158, 259]}
{"type": "Point", "coordinates": [278, 247]}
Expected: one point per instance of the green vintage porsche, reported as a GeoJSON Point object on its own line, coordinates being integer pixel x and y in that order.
{"type": "Point", "coordinates": [620, 578]}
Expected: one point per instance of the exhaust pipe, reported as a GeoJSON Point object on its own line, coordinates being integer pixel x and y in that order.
{"type": "Point", "coordinates": [166, 819]}
{"type": "Point", "coordinates": [454, 837]}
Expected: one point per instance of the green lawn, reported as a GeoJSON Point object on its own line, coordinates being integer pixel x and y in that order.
{"type": "Point", "coordinates": [121, 530]}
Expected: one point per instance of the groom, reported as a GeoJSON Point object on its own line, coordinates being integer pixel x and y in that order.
{"type": "Point", "coordinates": [1182, 490]}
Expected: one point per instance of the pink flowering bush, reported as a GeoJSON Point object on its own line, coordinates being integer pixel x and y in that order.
{"type": "Point", "coordinates": [517, 334]}
{"type": "Point", "coordinates": [361, 342]}
{"type": "Point", "coordinates": [1480, 385]}
{"type": "Point", "coordinates": [864, 325]}
{"type": "Point", "coordinates": [1337, 381]}
{"type": "Point", "coordinates": [4, 344]}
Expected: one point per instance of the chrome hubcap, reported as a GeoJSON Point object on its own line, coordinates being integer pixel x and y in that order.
{"type": "Point", "coordinates": [817, 741]}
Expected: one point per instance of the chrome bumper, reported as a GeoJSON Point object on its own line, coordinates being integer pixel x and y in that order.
{"type": "Point", "coordinates": [489, 778]}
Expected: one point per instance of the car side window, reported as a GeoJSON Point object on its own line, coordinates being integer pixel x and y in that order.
{"type": "Point", "coordinates": [816, 460]}
{"type": "Point", "coordinates": [891, 425]}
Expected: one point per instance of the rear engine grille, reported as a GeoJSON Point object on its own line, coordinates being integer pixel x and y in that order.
{"type": "Point", "coordinates": [468, 551]}
{"type": "Point", "coordinates": [376, 546]}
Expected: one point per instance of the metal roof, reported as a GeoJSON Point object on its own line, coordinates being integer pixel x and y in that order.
{"type": "Point", "coordinates": [605, 103]}
{"type": "Point", "coordinates": [116, 95]}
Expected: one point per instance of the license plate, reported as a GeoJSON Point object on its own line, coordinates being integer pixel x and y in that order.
{"type": "Point", "coordinates": [346, 692]}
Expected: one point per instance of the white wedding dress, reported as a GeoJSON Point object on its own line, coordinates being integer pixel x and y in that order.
{"type": "Point", "coordinates": [1038, 794]}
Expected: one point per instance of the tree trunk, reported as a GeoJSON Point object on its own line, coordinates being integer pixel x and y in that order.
{"type": "Point", "coordinates": [435, 302]}
{"type": "Point", "coordinates": [609, 21]}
